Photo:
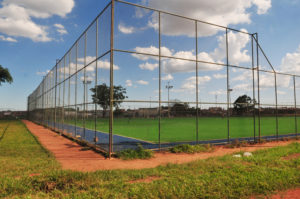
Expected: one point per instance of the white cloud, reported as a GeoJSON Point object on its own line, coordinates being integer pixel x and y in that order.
{"type": "Point", "coordinates": [17, 17]}
{"type": "Point", "coordinates": [60, 26]}
{"type": "Point", "coordinates": [151, 50]}
{"type": "Point", "coordinates": [103, 64]}
{"type": "Point", "coordinates": [125, 29]}
{"type": "Point", "coordinates": [167, 77]}
{"type": "Point", "coordinates": [221, 12]}
{"type": "Point", "coordinates": [9, 39]}
{"type": "Point", "coordinates": [128, 83]}
{"type": "Point", "coordinates": [148, 66]}
{"type": "Point", "coordinates": [44, 8]}
{"type": "Point", "coordinates": [262, 6]}
{"type": "Point", "coordinates": [246, 75]}
{"type": "Point", "coordinates": [88, 79]}
{"type": "Point", "coordinates": [43, 73]}
{"type": "Point", "coordinates": [237, 42]}
{"type": "Point", "coordinates": [190, 83]}
{"type": "Point", "coordinates": [291, 62]}
{"type": "Point", "coordinates": [106, 65]}
{"type": "Point", "coordinates": [60, 29]}
{"type": "Point", "coordinates": [218, 92]}
{"type": "Point", "coordinates": [237, 54]}
{"type": "Point", "coordinates": [219, 76]}
{"type": "Point", "coordinates": [142, 82]}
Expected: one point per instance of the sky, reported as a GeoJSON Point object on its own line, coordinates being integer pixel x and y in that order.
{"type": "Point", "coordinates": [34, 34]}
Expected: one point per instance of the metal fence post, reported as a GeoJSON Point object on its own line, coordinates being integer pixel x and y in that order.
{"type": "Point", "coordinates": [228, 87]}
{"type": "Point", "coordinates": [55, 96]}
{"type": "Point", "coordinates": [43, 103]}
{"type": "Point", "coordinates": [295, 105]}
{"type": "Point", "coordinates": [96, 80]}
{"type": "Point", "coordinates": [258, 88]}
{"type": "Point", "coordinates": [253, 89]}
{"type": "Point", "coordinates": [159, 79]}
{"type": "Point", "coordinates": [64, 90]}
{"type": "Point", "coordinates": [84, 88]}
{"type": "Point", "coordinates": [276, 106]}
{"type": "Point", "coordinates": [111, 113]}
{"type": "Point", "coordinates": [76, 81]}
{"type": "Point", "coordinates": [69, 94]}
{"type": "Point", "coordinates": [197, 97]}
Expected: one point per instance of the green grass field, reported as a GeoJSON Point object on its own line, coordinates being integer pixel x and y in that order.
{"type": "Point", "coordinates": [184, 129]}
{"type": "Point", "coordinates": [21, 156]}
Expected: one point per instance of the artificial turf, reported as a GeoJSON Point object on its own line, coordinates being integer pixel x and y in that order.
{"type": "Point", "coordinates": [184, 129]}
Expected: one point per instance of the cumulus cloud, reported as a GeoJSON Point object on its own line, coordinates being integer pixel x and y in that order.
{"type": "Point", "coordinates": [152, 50]}
{"type": "Point", "coordinates": [42, 73]}
{"type": "Point", "coordinates": [9, 39]}
{"type": "Point", "coordinates": [218, 92]}
{"type": "Point", "coordinates": [262, 6]}
{"type": "Point", "coordinates": [237, 54]}
{"type": "Point", "coordinates": [167, 77]}
{"type": "Point", "coordinates": [290, 63]}
{"type": "Point", "coordinates": [125, 29]}
{"type": "Point", "coordinates": [190, 83]}
{"type": "Point", "coordinates": [142, 82]}
{"type": "Point", "coordinates": [128, 83]}
{"type": "Point", "coordinates": [221, 12]}
{"type": "Point", "coordinates": [17, 17]}
{"type": "Point", "coordinates": [219, 76]}
{"type": "Point", "coordinates": [237, 42]}
{"type": "Point", "coordinates": [148, 66]}
{"type": "Point", "coordinates": [60, 29]}
{"type": "Point", "coordinates": [103, 64]}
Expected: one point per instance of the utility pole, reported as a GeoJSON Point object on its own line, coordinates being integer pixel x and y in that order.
{"type": "Point", "coordinates": [169, 87]}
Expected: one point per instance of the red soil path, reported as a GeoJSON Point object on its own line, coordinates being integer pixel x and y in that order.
{"type": "Point", "coordinates": [290, 194]}
{"type": "Point", "coordinates": [70, 156]}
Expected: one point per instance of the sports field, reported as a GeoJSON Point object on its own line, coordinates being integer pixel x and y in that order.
{"type": "Point", "coordinates": [184, 129]}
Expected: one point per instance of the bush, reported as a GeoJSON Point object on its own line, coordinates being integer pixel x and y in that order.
{"type": "Point", "coordinates": [139, 153]}
{"type": "Point", "coordinates": [187, 148]}
{"type": "Point", "coordinates": [237, 144]}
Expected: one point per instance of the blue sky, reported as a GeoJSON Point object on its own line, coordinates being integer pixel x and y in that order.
{"type": "Point", "coordinates": [31, 48]}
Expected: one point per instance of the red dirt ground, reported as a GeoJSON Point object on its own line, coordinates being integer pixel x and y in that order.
{"type": "Point", "coordinates": [70, 156]}
{"type": "Point", "coordinates": [290, 194]}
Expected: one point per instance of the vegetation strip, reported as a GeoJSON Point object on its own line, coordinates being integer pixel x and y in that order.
{"type": "Point", "coordinates": [27, 171]}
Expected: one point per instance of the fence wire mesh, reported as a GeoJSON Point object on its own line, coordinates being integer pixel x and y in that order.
{"type": "Point", "coordinates": [161, 79]}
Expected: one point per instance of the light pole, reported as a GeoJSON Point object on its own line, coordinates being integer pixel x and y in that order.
{"type": "Point", "coordinates": [169, 87]}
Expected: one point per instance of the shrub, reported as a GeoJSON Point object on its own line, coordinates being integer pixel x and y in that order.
{"type": "Point", "coordinates": [139, 153]}
{"type": "Point", "coordinates": [236, 144]}
{"type": "Point", "coordinates": [187, 148]}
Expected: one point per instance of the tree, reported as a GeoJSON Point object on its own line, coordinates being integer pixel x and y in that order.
{"type": "Point", "coordinates": [5, 76]}
{"type": "Point", "coordinates": [243, 104]}
{"type": "Point", "coordinates": [180, 109]}
{"type": "Point", "coordinates": [101, 96]}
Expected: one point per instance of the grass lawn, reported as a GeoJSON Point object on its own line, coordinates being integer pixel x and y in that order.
{"type": "Point", "coordinates": [184, 129]}
{"type": "Point", "coordinates": [22, 158]}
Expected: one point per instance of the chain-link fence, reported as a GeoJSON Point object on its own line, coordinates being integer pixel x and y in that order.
{"type": "Point", "coordinates": [138, 75]}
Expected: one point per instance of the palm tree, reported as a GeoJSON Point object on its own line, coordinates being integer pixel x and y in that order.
{"type": "Point", "coordinates": [5, 76]}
